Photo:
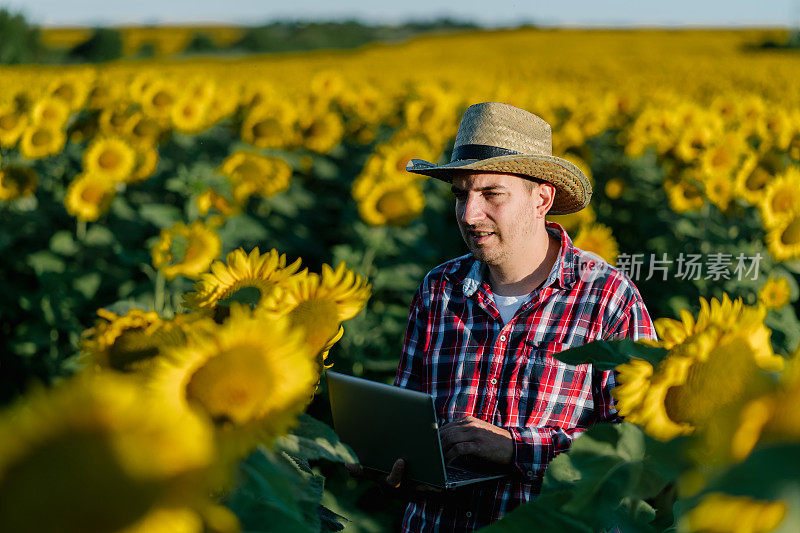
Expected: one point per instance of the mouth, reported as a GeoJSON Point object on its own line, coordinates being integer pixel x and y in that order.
{"type": "Point", "coordinates": [480, 237]}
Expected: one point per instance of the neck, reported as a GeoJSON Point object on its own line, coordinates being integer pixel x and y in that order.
{"type": "Point", "coordinates": [528, 269]}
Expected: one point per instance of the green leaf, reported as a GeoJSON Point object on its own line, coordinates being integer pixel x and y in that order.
{"type": "Point", "coordinates": [539, 518]}
{"type": "Point", "coordinates": [240, 229]}
{"type": "Point", "coordinates": [267, 495]}
{"type": "Point", "coordinates": [88, 284]}
{"type": "Point", "coordinates": [99, 236]}
{"type": "Point", "coordinates": [62, 243]}
{"type": "Point", "coordinates": [766, 473]}
{"type": "Point", "coordinates": [607, 355]}
{"type": "Point", "coordinates": [314, 440]}
{"type": "Point", "coordinates": [160, 215]}
{"type": "Point", "coordinates": [46, 261]}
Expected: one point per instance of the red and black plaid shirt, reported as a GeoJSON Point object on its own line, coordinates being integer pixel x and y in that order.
{"type": "Point", "coordinates": [458, 350]}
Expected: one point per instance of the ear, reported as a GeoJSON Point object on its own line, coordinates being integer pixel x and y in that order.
{"type": "Point", "coordinates": [543, 197]}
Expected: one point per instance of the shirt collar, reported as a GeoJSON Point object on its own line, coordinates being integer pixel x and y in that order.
{"type": "Point", "coordinates": [470, 274]}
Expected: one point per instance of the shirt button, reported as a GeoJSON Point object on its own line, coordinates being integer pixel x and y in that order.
{"type": "Point", "coordinates": [469, 514]}
{"type": "Point", "coordinates": [502, 337]}
{"type": "Point", "coordinates": [530, 474]}
{"type": "Point", "coordinates": [494, 381]}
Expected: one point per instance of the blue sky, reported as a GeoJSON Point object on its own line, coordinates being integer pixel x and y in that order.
{"type": "Point", "coordinates": [493, 13]}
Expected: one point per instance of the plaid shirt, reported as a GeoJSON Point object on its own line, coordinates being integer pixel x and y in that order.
{"type": "Point", "coordinates": [458, 350]}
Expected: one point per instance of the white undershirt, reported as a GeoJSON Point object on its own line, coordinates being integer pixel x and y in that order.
{"type": "Point", "coordinates": [508, 305]}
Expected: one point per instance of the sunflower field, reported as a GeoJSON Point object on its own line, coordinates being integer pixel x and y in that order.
{"type": "Point", "coordinates": [186, 244]}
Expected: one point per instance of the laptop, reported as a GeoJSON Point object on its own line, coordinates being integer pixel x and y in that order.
{"type": "Point", "coordinates": [382, 423]}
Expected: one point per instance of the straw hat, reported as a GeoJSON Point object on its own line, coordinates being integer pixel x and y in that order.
{"type": "Point", "coordinates": [496, 137]}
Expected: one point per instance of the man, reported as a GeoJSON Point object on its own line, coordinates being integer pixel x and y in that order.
{"type": "Point", "coordinates": [483, 327]}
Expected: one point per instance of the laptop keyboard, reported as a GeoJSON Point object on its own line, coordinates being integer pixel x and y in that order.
{"type": "Point", "coordinates": [457, 474]}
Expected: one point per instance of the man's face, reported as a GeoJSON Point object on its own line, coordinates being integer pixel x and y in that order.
{"type": "Point", "coordinates": [497, 214]}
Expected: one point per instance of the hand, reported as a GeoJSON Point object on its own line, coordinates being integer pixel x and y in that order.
{"type": "Point", "coordinates": [473, 436]}
{"type": "Point", "coordinates": [392, 483]}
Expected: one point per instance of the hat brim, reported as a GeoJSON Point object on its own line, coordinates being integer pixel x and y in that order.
{"type": "Point", "coordinates": [573, 190]}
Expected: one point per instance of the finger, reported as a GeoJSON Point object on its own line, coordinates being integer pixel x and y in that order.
{"type": "Point", "coordinates": [459, 449]}
{"type": "Point", "coordinates": [395, 477]}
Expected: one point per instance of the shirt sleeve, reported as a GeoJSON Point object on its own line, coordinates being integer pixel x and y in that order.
{"type": "Point", "coordinates": [409, 370]}
{"type": "Point", "coordinates": [535, 447]}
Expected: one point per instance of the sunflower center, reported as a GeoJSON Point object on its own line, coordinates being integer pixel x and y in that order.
{"type": "Point", "coordinates": [109, 159]}
{"type": "Point", "coordinates": [721, 159]}
{"type": "Point", "coordinates": [248, 170]}
{"type": "Point", "coordinates": [93, 194]}
{"type": "Point", "coordinates": [757, 179]}
{"type": "Point", "coordinates": [95, 474]}
{"type": "Point", "coordinates": [402, 161]}
{"type": "Point", "coordinates": [392, 205]}
{"type": "Point", "coordinates": [162, 99]}
{"type": "Point", "coordinates": [234, 385]}
{"type": "Point", "coordinates": [65, 92]}
{"type": "Point", "coordinates": [9, 121]}
{"type": "Point", "coordinates": [131, 347]}
{"type": "Point", "coordinates": [712, 383]}
{"type": "Point", "coordinates": [319, 318]}
{"type": "Point", "coordinates": [791, 235]}
{"type": "Point", "coordinates": [267, 128]}
{"type": "Point", "coordinates": [783, 200]}
{"type": "Point", "coordinates": [41, 137]}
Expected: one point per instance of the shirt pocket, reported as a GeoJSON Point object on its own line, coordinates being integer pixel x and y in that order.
{"type": "Point", "coordinates": [551, 392]}
{"type": "Point", "coordinates": [450, 372]}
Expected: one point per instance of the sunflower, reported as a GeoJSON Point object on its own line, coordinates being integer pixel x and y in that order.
{"type": "Point", "coordinates": [241, 276]}
{"type": "Point", "coordinates": [210, 200]}
{"type": "Point", "coordinates": [17, 182]}
{"type": "Point", "coordinates": [12, 124]}
{"type": "Point", "coordinates": [251, 375]}
{"type": "Point", "coordinates": [783, 240]}
{"type": "Point", "coordinates": [752, 179]}
{"type": "Point", "coordinates": [781, 198]}
{"type": "Point", "coordinates": [50, 112]}
{"type": "Point", "coordinates": [693, 141]}
{"type": "Point", "coordinates": [723, 513]}
{"type": "Point", "coordinates": [41, 141]}
{"type": "Point", "coordinates": [598, 238]}
{"type": "Point", "coordinates": [713, 362]}
{"type": "Point", "coordinates": [395, 203]}
{"type": "Point", "coordinates": [775, 293]}
{"type": "Point", "coordinates": [322, 132]}
{"type": "Point", "coordinates": [141, 128]}
{"type": "Point", "coordinates": [320, 303]}
{"type": "Point", "coordinates": [89, 196]}
{"type": "Point", "coordinates": [614, 188]}
{"type": "Point", "coordinates": [124, 343]}
{"type": "Point", "coordinates": [98, 437]}
{"type": "Point", "coordinates": [158, 99]}
{"type": "Point", "coordinates": [253, 173]}
{"type": "Point", "coordinates": [771, 418]}
{"type": "Point", "coordinates": [114, 120]}
{"type": "Point", "coordinates": [396, 155]}
{"type": "Point", "coordinates": [272, 125]}
{"type": "Point", "coordinates": [189, 114]}
{"type": "Point", "coordinates": [722, 159]}
{"type": "Point", "coordinates": [146, 162]}
{"type": "Point", "coordinates": [718, 189]}
{"type": "Point", "coordinates": [70, 89]}
{"type": "Point", "coordinates": [186, 250]}
{"type": "Point", "coordinates": [111, 158]}
{"type": "Point", "coordinates": [684, 195]}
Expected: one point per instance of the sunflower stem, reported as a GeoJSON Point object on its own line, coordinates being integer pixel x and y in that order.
{"type": "Point", "coordinates": [80, 230]}
{"type": "Point", "coordinates": [158, 297]}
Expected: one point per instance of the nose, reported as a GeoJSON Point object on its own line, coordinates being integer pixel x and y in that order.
{"type": "Point", "coordinates": [470, 211]}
